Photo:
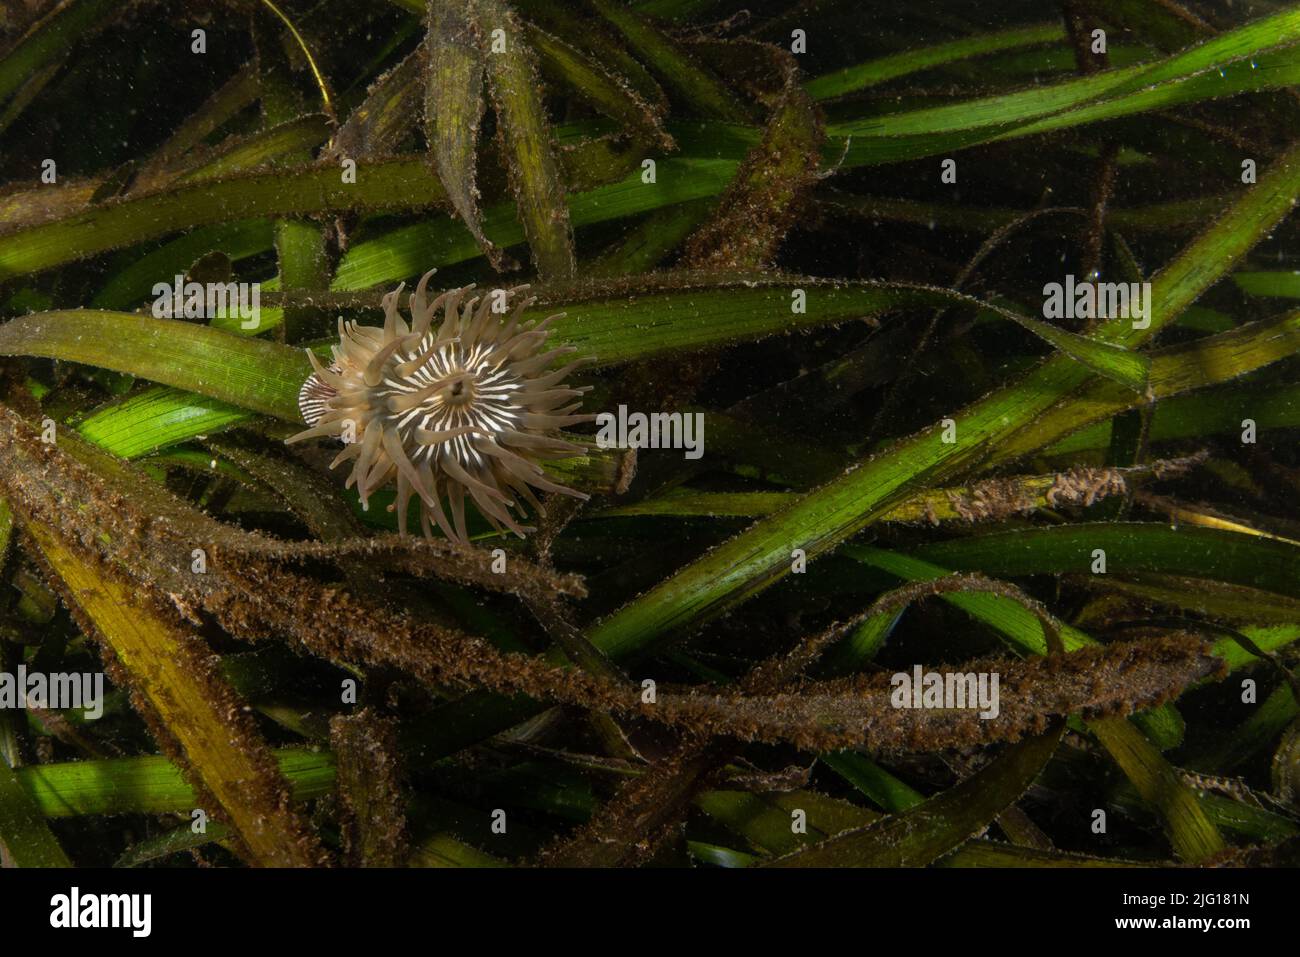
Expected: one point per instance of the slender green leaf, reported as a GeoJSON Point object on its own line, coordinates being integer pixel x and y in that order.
{"type": "Point", "coordinates": [863, 75]}
{"type": "Point", "coordinates": [24, 834]}
{"type": "Point", "coordinates": [253, 374]}
{"type": "Point", "coordinates": [1129, 546]}
{"type": "Point", "coordinates": [1253, 57]}
{"type": "Point", "coordinates": [394, 184]}
{"type": "Point", "coordinates": [525, 133]}
{"type": "Point", "coordinates": [1191, 832]}
{"type": "Point", "coordinates": [151, 785]}
{"type": "Point", "coordinates": [694, 83]}
{"type": "Point", "coordinates": [453, 105]}
{"type": "Point", "coordinates": [925, 832]}
{"type": "Point", "coordinates": [50, 38]}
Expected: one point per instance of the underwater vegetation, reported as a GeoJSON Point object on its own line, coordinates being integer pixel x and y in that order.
{"type": "Point", "coordinates": [775, 434]}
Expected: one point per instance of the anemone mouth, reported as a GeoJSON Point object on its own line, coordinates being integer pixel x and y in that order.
{"type": "Point", "coordinates": [468, 410]}
{"type": "Point", "coordinates": [460, 389]}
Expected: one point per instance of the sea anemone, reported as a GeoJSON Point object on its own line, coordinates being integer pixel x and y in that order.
{"type": "Point", "coordinates": [470, 408]}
